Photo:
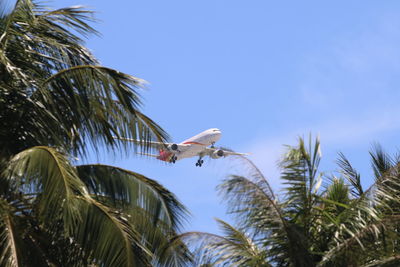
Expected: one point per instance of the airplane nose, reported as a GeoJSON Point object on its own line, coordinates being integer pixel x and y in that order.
{"type": "Point", "coordinates": [217, 134]}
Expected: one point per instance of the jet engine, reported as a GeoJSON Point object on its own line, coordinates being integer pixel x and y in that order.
{"type": "Point", "coordinates": [217, 154]}
{"type": "Point", "coordinates": [173, 147]}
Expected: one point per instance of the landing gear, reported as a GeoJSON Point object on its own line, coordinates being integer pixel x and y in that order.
{"type": "Point", "coordinates": [212, 145]}
{"type": "Point", "coordinates": [173, 159]}
{"type": "Point", "coordinates": [199, 162]}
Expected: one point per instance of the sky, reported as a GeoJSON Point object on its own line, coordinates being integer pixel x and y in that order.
{"type": "Point", "coordinates": [264, 72]}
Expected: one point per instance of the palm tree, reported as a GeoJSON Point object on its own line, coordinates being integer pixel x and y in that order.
{"type": "Point", "coordinates": [55, 102]}
{"type": "Point", "coordinates": [339, 225]}
{"type": "Point", "coordinates": [54, 92]}
{"type": "Point", "coordinates": [56, 214]}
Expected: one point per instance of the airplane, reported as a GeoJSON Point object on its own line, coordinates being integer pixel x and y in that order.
{"type": "Point", "coordinates": [197, 145]}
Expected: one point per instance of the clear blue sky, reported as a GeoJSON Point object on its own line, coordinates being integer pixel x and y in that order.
{"type": "Point", "coordinates": [264, 72]}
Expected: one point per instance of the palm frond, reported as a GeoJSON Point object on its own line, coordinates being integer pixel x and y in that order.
{"type": "Point", "coordinates": [39, 35]}
{"type": "Point", "coordinates": [10, 240]}
{"type": "Point", "coordinates": [63, 96]}
{"type": "Point", "coordinates": [127, 189]}
{"type": "Point", "coordinates": [387, 262]}
{"type": "Point", "coordinates": [75, 17]}
{"type": "Point", "coordinates": [359, 241]}
{"type": "Point", "coordinates": [107, 237]}
{"type": "Point", "coordinates": [52, 92]}
{"type": "Point", "coordinates": [333, 228]}
{"type": "Point", "coordinates": [241, 250]}
{"type": "Point", "coordinates": [26, 123]}
{"type": "Point", "coordinates": [159, 238]}
{"type": "Point", "coordinates": [47, 173]}
{"type": "Point", "coordinates": [250, 195]}
{"type": "Point", "coordinates": [97, 104]}
{"type": "Point", "coordinates": [105, 234]}
{"type": "Point", "coordinates": [201, 245]}
{"type": "Point", "coordinates": [234, 248]}
{"type": "Point", "coordinates": [381, 161]}
{"type": "Point", "coordinates": [248, 199]}
{"type": "Point", "coordinates": [7, 66]}
{"type": "Point", "coordinates": [372, 216]}
{"type": "Point", "coordinates": [20, 244]}
{"type": "Point", "coordinates": [150, 209]}
{"type": "Point", "coordinates": [283, 227]}
{"type": "Point", "coordinates": [299, 171]}
{"type": "Point", "coordinates": [351, 175]}
{"type": "Point", "coordinates": [338, 192]}
{"type": "Point", "coordinates": [300, 174]}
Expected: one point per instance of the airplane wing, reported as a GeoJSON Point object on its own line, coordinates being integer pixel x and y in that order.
{"type": "Point", "coordinates": [221, 152]}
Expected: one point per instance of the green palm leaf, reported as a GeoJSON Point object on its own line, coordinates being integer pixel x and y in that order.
{"type": "Point", "coordinates": [351, 175]}
{"type": "Point", "coordinates": [150, 209]}
{"type": "Point", "coordinates": [381, 161]}
{"type": "Point", "coordinates": [10, 241]}
{"type": "Point", "coordinates": [371, 218]}
{"type": "Point", "coordinates": [241, 250]}
{"type": "Point", "coordinates": [53, 92]}
{"type": "Point", "coordinates": [252, 197]}
{"type": "Point", "coordinates": [103, 233]}
{"type": "Point", "coordinates": [344, 225]}
{"type": "Point", "coordinates": [47, 173]}
{"type": "Point", "coordinates": [256, 209]}
{"type": "Point", "coordinates": [55, 84]}
{"type": "Point", "coordinates": [18, 246]}
{"type": "Point", "coordinates": [98, 103]}
{"type": "Point", "coordinates": [234, 248]}
{"type": "Point", "coordinates": [127, 189]}
{"type": "Point", "coordinates": [159, 238]}
{"type": "Point", "coordinates": [299, 172]}
{"type": "Point", "coordinates": [391, 261]}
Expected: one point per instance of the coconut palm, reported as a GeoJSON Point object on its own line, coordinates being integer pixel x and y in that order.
{"type": "Point", "coordinates": [337, 223]}
{"type": "Point", "coordinates": [56, 214]}
{"type": "Point", "coordinates": [55, 102]}
{"type": "Point", "coordinates": [54, 92]}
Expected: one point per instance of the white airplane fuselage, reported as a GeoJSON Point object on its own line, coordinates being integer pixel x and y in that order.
{"type": "Point", "coordinates": [193, 146]}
